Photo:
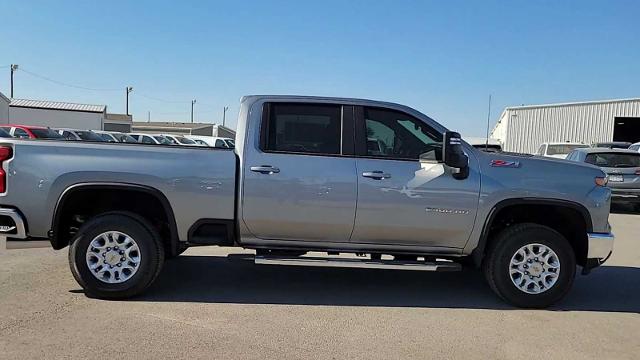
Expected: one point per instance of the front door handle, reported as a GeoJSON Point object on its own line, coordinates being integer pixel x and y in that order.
{"type": "Point", "coordinates": [377, 175]}
{"type": "Point", "coordinates": [265, 169]}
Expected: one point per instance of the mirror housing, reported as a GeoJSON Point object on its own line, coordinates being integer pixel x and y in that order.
{"type": "Point", "coordinates": [453, 155]}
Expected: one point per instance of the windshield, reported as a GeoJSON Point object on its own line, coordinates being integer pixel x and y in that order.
{"type": "Point", "coordinates": [89, 135]}
{"type": "Point", "coordinates": [183, 140]}
{"type": "Point", "coordinates": [4, 133]}
{"type": "Point", "coordinates": [231, 143]}
{"type": "Point", "coordinates": [614, 160]}
{"type": "Point", "coordinates": [561, 149]}
{"type": "Point", "coordinates": [164, 140]}
{"type": "Point", "coordinates": [45, 134]}
{"type": "Point", "coordinates": [106, 137]}
{"type": "Point", "coordinates": [125, 138]}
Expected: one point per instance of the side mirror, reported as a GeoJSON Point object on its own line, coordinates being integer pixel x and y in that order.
{"type": "Point", "coordinates": [454, 156]}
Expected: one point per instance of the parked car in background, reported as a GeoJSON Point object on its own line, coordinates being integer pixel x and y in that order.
{"type": "Point", "coordinates": [30, 132]}
{"type": "Point", "coordinates": [80, 135]}
{"type": "Point", "coordinates": [484, 144]}
{"type": "Point", "coordinates": [612, 145]}
{"type": "Point", "coordinates": [152, 139]}
{"type": "Point", "coordinates": [5, 134]}
{"type": "Point", "coordinates": [114, 136]}
{"type": "Point", "coordinates": [180, 140]}
{"type": "Point", "coordinates": [213, 141]}
{"type": "Point", "coordinates": [558, 150]}
{"type": "Point", "coordinates": [635, 147]}
{"type": "Point", "coordinates": [622, 167]}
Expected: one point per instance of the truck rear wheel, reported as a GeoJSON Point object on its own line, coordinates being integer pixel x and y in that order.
{"type": "Point", "coordinates": [530, 265]}
{"type": "Point", "coordinates": [116, 256]}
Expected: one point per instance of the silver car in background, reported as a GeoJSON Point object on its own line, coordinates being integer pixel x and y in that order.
{"type": "Point", "coordinates": [622, 167]}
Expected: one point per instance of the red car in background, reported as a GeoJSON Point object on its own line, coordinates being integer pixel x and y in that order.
{"type": "Point", "coordinates": [30, 132]}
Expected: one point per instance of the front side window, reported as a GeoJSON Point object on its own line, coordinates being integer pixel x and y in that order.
{"type": "Point", "coordinates": [46, 134]}
{"type": "Point", "coordinates": [21, 134]}
{"type": "Point", "coordinates": [304, 128]}
{"type": "Point", "coordinates": [220, 144]}
{"type": "Point", "coordinates": [147, 140]}
{"type": "Point", "coordinates": [396, 135]}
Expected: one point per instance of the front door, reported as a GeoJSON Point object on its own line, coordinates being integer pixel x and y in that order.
{"type": "Point", "coordinates": [299, 184]}
{"type": "Point", "coordinates": [402, 201]}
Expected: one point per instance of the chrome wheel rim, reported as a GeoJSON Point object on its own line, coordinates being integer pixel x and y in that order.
{"type": "Point", "coordinates": [113, 257]}
{"type": "Point", "coordinates": [534, 268]}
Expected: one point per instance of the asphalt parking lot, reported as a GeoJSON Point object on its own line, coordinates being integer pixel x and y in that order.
{"type": "Point", "coordinates": [205, 305]}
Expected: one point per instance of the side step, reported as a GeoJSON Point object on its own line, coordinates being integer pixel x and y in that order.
{"type": "Point", "coordinates": [360, 264]}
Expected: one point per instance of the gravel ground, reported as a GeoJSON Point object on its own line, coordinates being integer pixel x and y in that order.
{"type": "Point", "coordinates": [205, 305]}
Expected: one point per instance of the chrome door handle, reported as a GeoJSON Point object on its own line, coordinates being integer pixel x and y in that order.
{"type": "Point", "coordinates": [377, 175]}
{"type": "Point", "coordinates": [265, 169]}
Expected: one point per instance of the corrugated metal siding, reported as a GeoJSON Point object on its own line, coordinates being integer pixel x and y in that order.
{"type": "Point", "coordinates": [530, 126]}
{"type": "Point", "coordinates": [55, 105]}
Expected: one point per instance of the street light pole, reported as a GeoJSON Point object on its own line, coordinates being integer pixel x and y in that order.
{"type": "Point", "coordinates": [224, 114]}
{"type": "Point", "coordinates": [128, 89]}
{"type": "Point", "coordinates": [14, 67]}
{"type": "Point", "coordinates": [192, 102]}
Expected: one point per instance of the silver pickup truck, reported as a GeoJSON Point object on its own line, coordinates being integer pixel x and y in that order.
{"type": "Point", "coordinates": [377, 180]}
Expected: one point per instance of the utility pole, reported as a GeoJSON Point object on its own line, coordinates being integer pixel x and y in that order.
{"type": "Point", "coordinates": [224, 114]}
{"type": "Point", "coordinates": [192, 103]}
{"type": "Point", "coordinates": [148, 116]}
{"type": "Point", "coordinates": [128, 90]}
{"type": "Point", "coordinates": [14, 67]}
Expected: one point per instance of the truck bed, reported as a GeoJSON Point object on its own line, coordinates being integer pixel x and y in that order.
{"type": "Point", "coordinates": [198, 182]}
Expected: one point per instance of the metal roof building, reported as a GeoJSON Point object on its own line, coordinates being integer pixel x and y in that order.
{"type": "Point", "coordinates": [524, 128]}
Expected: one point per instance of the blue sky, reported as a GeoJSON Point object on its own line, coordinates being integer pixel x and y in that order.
{"type": "Point", "coordinates": [443, 58]}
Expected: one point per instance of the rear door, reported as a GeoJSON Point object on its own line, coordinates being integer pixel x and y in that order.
{"type": "Point", "coordinates": [300, 180]}
{"type": "Point", "coordinates": [402, 201]}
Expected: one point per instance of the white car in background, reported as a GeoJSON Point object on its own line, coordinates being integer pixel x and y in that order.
{"type": "Point", "coordinates": [151, 139]}
{"type": "Point", "coordinates": [80, 135]}
{"type": "Point", "coordinates": [635, 147]}
{"type": "Point", "coordinates": [114, 136]}
{"type": "Point", "coordinates": [213, 141]}
{"type": "Point", "coordinates": [181, 140]}
{"type": "Point", "coordinates": [559, 150]}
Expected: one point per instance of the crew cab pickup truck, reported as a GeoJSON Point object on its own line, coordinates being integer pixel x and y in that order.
{"type": "Point", "coordinates": [303, 179]}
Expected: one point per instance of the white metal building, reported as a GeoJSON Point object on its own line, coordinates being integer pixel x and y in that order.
{"type": "Point", "coordinates": [57, 114]}
{"type": "Point", "coordinates": [524, 128]}
{"type": "Point", "coordinates": [4, 109]}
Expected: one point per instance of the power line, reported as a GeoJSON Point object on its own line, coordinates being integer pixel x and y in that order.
{"type": "Point", "coordinates": [63, 83]}
{"type": "Point", "coordinates": [163, 100]}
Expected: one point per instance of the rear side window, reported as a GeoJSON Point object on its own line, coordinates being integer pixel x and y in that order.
{"type": "Point", "coordinates": [614, 160]}
{"type": "Point", "coordinates": [303, 128]}
{"type": "Point", "coordinates": [147, 140]}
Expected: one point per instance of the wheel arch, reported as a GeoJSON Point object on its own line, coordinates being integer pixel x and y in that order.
{"type": "Point", "coordinates": [499, 210]}
{"type": "Point", "coordinates": [59, 240]}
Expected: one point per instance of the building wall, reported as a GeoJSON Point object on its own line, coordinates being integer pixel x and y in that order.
{"type": "Point", "coordinates": [4, 109]}
{"type": "Point", "coordinates": [222, 131]}
{"type": "Point", "coordinates": [206, 131]}
{"type": "Point", "coordinates": [523, 129]}
{"type": "Point", "coordinates": [56, 118]}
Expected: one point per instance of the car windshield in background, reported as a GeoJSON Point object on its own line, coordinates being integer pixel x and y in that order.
{"type": "Point", "coordinates": [183, 140]}
{"type": "Point", "coordinates": [231, 143]}
{"type": "Point", "coordinates": [4, 133]}
{"type": "Point", "coordinates": [45, 134]}
{"type": "Point", "coordinates": [614, 160]}
{"type": "Point", "coordinates": [106, 137]}
{"type": "Point", "coordinates": [560, 149]}
{"type": "Point", "coordinates": [125, 138]}
{"type": "Point", "coordinates": [164, 141]}
{"type": "Point", "coordinates": [89, 136]}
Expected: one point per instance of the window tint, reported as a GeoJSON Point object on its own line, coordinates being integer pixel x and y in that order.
{"type": "Point", "coordinates": [397, 135]}
{"type": "Point", "coordinates": [220, 144]}
{"type": "Point", "coordinates": [634, 147]}
{"type": "Point", "coordinates": [614, 160]}
{"type": "Point", "coordinates": [46, 134]}
{"type": "Point", "coordinates": [19, 133]}
{"type": "Point", "coordinates": [304, 128]}
{"type": "Point", "coordinates": [541, 150]}
{"type": "Point", "coordinates": [4, 133]}
{"type": "Point", "coordinates": [147, 140]}
{"type": "Point", "coordinates": [183, 140]}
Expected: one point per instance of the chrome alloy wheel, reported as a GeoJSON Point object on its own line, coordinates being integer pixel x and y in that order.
{"type": "Point", "coordinates": [534, 268]}
{"type": "Point", "coordinates": [113, 257]}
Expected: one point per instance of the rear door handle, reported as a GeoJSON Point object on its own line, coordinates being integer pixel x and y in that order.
{"type": "Point", "coordinates": [377, 175]}
{"type": "Point", "coordinates": [265, 169]}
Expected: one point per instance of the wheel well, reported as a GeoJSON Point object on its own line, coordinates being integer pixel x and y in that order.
{"type": "Point", "coordinates": [82, 203]}
{"type": "Point", "coordinates": [567, 220]}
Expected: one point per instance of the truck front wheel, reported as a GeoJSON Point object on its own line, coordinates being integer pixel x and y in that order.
{"type": "Point", "coordinates": [530, 265]}
{"type": "Point", "coordinates": [116, 256]}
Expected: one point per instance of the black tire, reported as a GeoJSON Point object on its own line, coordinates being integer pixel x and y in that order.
{"type": "Point", "coordinates": [497, 261]}
{"type": "Point", "coordinates": [149, 244]}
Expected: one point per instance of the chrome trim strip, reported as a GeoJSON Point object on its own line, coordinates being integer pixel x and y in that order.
{"type": "Point", "coordinates": [356, 263]}
{"type": "Point", "coordinates": [21, 232]}
{"type": "Point", "coordinates": [600, 245]}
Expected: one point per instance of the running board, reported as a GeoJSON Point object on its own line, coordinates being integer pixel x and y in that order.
{"type": "Point", "coordinates": [360, 264]}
